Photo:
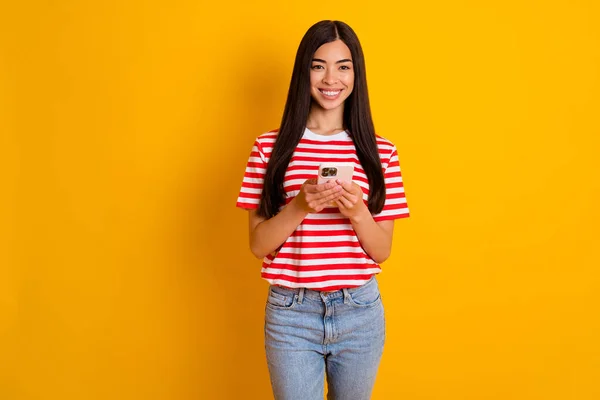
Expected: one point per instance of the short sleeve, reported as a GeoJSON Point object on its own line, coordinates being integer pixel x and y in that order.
{"type": "Point", "coordinates": [395, 199]}
{"type": "Point", "coordinates": [252, 184]}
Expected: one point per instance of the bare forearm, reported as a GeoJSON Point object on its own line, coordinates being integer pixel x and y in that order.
{"type": "Point", "coordinates": [376, 241]}
{"type": "Point", "coordinates": [268, 235]}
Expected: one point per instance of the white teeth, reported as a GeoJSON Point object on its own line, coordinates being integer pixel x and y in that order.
{"type": "Point", "coordinates": [330, 93]}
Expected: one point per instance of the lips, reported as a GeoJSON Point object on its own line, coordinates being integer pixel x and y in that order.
{"type": "Point", "coordinates": [330, 93]}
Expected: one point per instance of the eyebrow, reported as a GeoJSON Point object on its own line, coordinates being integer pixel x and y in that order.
{"type": "Point", "coordinates": [337, 62]}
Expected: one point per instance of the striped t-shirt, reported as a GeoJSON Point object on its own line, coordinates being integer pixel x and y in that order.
{"type": "Point", "coordinates": [323, 253]}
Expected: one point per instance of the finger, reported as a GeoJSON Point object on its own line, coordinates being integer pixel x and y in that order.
{"type": "Point", "coordinates": [313, 187]}
{"type": "Point", "coordinates": [341, 205]}
{"type": "Point", "coordinates": [309, 187]}
{"type": "Point", "coordinates": [324, 201]}
{"type": "Point", "coordinates": [350, 196]}
{"type": "Point", "coordinates": [349, 186]}
{"type": "Point", "coordinates": [309, 182]}
{"type": "Point", "coordinates": [331, 197]}
{"type": "Point", "coordinates": [347, 204]}
{"type": "Point", "coordinates": [318, 208]}
{"type": "Point", "coordinates": [336, 191]}
{"type": "Point", "coordinates": [352, 188]}
{"type": "Point", "coordinates": [326, 185]}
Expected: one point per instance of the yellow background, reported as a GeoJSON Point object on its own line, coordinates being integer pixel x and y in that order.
{"type": "Point", "coordinates": [124, 131]}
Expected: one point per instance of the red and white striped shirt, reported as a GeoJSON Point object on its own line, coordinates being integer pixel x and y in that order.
{"type": "Point", "coordinates": [323, 253]}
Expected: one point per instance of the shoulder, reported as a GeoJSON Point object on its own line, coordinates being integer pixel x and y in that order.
{"type": "Point", "coordinates": [268, 137]}
{"type": "Point", "coordinates": [385, 146]}
{"type": "Point", "coordinates": [265, 142]}
{"type": "Point", "coordinates": [387, 151]}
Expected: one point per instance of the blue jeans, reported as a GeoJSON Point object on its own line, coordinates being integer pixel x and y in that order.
{"type": "Point", "coordinates": [309, 334]}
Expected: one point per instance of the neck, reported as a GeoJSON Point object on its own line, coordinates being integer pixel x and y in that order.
{"type": "Point", "coordinates": [325, 122]}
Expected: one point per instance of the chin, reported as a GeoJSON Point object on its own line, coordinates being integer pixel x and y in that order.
{"type": "Point", "coordinates": [333, 107]}
{"type": "Point", "coordinates": [330, 106]}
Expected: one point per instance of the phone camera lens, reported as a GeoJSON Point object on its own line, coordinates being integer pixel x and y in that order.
{"type": "Point", "coordinates": [329, 171]}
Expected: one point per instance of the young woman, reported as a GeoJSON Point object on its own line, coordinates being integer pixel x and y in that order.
{"type": "Point", "coordinates": [322, 243]}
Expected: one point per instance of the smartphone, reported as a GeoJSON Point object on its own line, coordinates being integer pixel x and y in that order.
{"type": "Point", "coordinates": [335, 170]}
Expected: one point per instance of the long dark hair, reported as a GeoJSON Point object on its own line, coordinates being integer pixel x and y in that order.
{"type": "Point", "coordinates": [357, 118]}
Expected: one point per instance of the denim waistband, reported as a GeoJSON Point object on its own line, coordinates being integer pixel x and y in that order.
{"type": "Point", "coordinates": [318, 294]}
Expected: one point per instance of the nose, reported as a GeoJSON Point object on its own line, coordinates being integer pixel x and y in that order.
{"type": "Point", "coordinates": [330, 77]}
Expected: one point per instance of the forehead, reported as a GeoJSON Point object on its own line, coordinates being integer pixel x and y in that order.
{"type": "Point", "coordinates": [333, 51]}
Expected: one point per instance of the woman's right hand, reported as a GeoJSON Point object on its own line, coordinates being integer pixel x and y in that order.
{"type": "Point", "coordinates": [314, 197]}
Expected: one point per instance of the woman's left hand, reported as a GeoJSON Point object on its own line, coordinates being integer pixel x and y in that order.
{"type": "Point", "coordinates": [351, 202]}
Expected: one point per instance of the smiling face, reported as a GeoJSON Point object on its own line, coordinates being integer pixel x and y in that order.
{"type": "Point", "coordinates": [331, 75]}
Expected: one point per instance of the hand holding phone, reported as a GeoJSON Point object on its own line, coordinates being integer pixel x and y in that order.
{"type": "Point", "coordinates": [334, 171]}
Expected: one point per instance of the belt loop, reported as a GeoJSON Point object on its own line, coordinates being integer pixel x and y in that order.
{"type": "Point", "coordinates": [300, 295]}
{"type": "Point", "coordinates": [346, 295]}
